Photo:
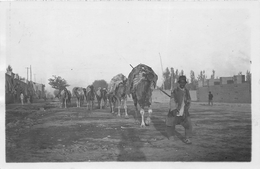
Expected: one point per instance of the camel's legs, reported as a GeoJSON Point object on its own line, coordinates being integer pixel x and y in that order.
{"type": "Point", "coordinates": [101, 103]}
{"type": "Point", "coordinates": [65, 100]}
{"type": "Point", "coordinates": [142, 115]}
{"type": "Point", "coordinates": [118, 107]}
{"type": "Point", "coordinates": [125, 107]}
{"type": "Point", "coordinates": [148, 119]}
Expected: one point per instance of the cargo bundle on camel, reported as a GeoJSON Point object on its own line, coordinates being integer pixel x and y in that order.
{"type": "Point", "coordinates": [141, 82]}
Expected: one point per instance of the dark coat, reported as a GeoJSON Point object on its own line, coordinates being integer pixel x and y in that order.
{"type": "Point", "coordinates": [177, 94]}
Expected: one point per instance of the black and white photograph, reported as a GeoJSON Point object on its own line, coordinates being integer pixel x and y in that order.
{"type": "Point", "coordinates": [94, 84]}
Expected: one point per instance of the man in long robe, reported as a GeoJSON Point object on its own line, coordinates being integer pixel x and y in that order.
{"type": "Point", "coordinates": [179, 111]}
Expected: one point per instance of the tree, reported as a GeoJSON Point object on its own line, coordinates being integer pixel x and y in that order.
{"type": "Point", "coordinates": [177, 74]}
{"type": "Point", "coordinates": [192, 76]}
{"type": "Point", "coordinates": [193, 81]}
{"type": "Point", "coordinates": [167, 79]}
{"type": "Point", "coordinates": [213, 74]}
{"type": "Point", "coordinates": [202, 77]}
{"type": "Point", "coordinates": [248, 79]}
{"type": "Point", "coordinates": [57, 82]}
{"type": "Point", "coordinates": [172, 78]}
{"type": "Point", "coordinates": [182, 73]}
{"type": "Point", "coordinates": [99, 83]}
{"type": "Point", "coordinates": [248, 76]}
{"type": "Point", "coordinates": [9, 69]}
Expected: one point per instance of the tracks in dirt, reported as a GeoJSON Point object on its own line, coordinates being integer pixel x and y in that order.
{"type": "Point", "coordinates": [68, 135]}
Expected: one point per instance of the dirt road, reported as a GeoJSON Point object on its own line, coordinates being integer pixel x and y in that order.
{"type": "Point", "coordinates": [220, 133]}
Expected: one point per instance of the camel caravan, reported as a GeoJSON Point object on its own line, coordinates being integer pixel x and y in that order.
{"type": "Point", "coordinates": [139, 85]}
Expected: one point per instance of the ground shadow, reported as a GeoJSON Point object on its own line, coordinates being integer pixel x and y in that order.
{"type": "Point", "coordinates": [129, 147]}
{"type": "Point", "coordinates": [180, 136]}
{"type": "Point", "coordinates": [159, 125]}
{"type": "Point", "coordinates": [132, 114]}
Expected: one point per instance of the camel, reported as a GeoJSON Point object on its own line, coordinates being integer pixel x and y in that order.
{"type": "Point", "coordinates": [101, 96]}
{"type": "Point", "coordinates": [90, 97]}
{"type": "Point", "coordinates": [141, 82]}
{"type": "Point", "coordinates": [117, 93]}
{"type": "Point", "coordinates": [64, 97]}
{"type": "Point", "coordinates": [79, 93]}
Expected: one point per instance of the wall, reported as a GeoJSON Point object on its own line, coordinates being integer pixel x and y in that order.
{"type": "Point", "coordinates": [193, 95]}
{"type": "Point", "coordinates": [239, 79]}
{"type": "Point", "coordinates": [160, 97]}
{"type": "Point", "coordinates": [228, 93]}
{"type": "Point", "coordinates": [224, 80]}
{"type": "Point", "coordinates": [19, 86]}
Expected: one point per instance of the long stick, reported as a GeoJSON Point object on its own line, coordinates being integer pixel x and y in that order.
{"type": "Point", "coordinates": [158, 87]}
{"type": "Point", "coordinates": [161, 67]}
{"type": "Point", "coordinates": [163, 91]}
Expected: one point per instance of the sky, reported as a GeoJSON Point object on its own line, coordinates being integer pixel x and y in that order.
{"type": "Point", "coordinates": [83, 42]}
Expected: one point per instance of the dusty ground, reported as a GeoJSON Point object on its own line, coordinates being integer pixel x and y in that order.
{"type": "Point", "coordinates": [220, 133]}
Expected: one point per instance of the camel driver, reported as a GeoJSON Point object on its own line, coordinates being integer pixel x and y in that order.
{"type": "Point", "coordinates": [179, 111]}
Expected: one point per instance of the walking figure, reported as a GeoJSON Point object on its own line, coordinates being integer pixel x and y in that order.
{"type": "Point", "coordinates": [210, 98]}
{"type": "Point", "coordinates": [179, 111]}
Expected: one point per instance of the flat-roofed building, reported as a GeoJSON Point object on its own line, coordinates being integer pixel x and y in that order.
{"type": "Point", "coordinates": [226, 80]}
{"type": "Point", "coordinates": [239, 79]}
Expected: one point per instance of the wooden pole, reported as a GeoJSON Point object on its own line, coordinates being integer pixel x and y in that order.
{"type": "Point", "coordinates": [162, 69]}
{"type": "Point", "coordinates": [30, 73]}
{"type": "Point", "coordinates": [27, 73]}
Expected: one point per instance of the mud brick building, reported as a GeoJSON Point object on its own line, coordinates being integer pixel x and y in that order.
{"type": "Point", "coordinates": [14, 86]}
{"type": "Point", "coordinates": [226, 89]}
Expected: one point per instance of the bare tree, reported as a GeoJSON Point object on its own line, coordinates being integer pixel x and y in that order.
{"type": "Point", "coordinates": [248, 76]}
{"type": "Point", "coordinates": [213, 74]}
{"type": "Point", "coordinates": [182, 73]}
{"type": "Point", "coordinates": [172, 78]}
{"type": "Point", "coordinates": [167, 79]}
{"type": "Point", "coordinates": [202, 77]}
{"type": "Point", "coordinates": [193, 81]}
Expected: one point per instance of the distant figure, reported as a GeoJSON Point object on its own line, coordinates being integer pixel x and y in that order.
{"type": "Point", "coordinates": [22, 97]}
{"type": "Point", "coordinates": [210, 98]}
